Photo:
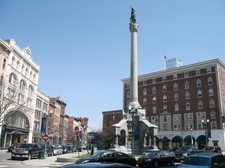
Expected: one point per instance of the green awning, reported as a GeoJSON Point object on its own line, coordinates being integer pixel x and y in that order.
{"type": "Point", "coordinates": [188, 139]}
{"type": "Point", "coordinates": [202, 138]}
{"type": "Point", "coordinates": [177, 139]}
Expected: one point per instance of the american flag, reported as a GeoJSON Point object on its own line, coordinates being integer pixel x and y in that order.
{"type": "Point", "coordinates": [165, 58]}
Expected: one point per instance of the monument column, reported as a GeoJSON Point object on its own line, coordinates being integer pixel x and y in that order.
{"type": "Point", "coordinates": [134, 62]}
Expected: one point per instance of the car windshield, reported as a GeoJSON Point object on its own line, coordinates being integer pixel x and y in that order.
{"type": "Point", "coordinates": [27, 146]}
{"type": "Point", "coordinates": [155, 153]}
{"type": "Point", "coordinates": [209, 148]}
{"type": "Point", "coordinates": [185, 148]}
{"type": "Point", "coordinates": [97, 155]}
{"type": "Point", "coordinates": [202, 161]}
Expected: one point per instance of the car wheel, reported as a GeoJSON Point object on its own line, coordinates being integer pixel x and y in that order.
{"type": "Point", "coordinates": [172, 162]}
{"type": "Point", "coordinates": [29, 157]}
{"type": "Point", "coordinates": [156, 164]}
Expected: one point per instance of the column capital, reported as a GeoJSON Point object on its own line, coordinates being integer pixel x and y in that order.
{"type": "Point", "coordinates": [134, 27]}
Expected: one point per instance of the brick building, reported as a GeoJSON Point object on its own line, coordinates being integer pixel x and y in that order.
{"type": "Point", "coordinates": [187, 103]}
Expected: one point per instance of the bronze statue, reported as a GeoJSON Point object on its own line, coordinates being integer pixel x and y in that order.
{"type": "Point", "coordinates": [132, 17]}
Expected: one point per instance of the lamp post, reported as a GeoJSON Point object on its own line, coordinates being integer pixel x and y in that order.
{"type": "Point", "coordinates": [132, 110]}
{"type": "Point", "coordinates": [192, 138]}
{"type": "Point", "coordinates": [47, 131]}
{"type": "Point", "coordinates": [205, 126]}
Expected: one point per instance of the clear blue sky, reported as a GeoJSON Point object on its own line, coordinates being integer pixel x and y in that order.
{"type": "Point", "coordinates": [83, 46]}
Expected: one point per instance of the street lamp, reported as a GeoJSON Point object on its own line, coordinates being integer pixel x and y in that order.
{"type": "Point", "coordinates": [132, 110]}
{"type": "Point", "coordinates": [192, 137]}
{"type": "Point", "coordinates": [206, 126]}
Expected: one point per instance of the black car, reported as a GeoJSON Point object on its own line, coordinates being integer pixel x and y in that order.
{"type": "Point", "coordinates": [109, 156]}
{"type": "Point", "coordinates": [204, 160]}
{"type": "Point", "coordinates": [97, 164]}
{"type": "Point", "coordinates": [156, 158]}
{"type": "Point", "coordinates": [26, 151]}
{"type": "Point", "coordinates": [49, 149]}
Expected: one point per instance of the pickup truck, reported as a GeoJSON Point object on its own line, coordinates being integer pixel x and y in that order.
{"type": "Point", "coordinates": [185, 151]}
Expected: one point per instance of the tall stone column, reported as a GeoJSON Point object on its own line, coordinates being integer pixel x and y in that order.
{"type": "Point", "coordinates": [134, 62]}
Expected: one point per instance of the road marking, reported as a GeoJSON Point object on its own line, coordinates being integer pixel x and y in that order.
{"type": "Point", "coordinates": [3, 165]}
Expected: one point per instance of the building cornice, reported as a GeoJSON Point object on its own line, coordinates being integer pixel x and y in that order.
{"type": "Point", "coordinates": [177, 70]}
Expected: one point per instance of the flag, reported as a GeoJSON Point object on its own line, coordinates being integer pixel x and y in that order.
{"type": "Point", "coordinates": [165, 58]}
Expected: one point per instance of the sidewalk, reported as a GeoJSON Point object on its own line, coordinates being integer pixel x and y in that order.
{"type": "Point", "coordinates": [54, 161]}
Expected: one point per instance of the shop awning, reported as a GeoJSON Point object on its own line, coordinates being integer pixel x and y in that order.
{"type": "Point", "coordinates": [188, 139]}
{"type": "Point", "coordinates": [202, 138]}
{"type": "Point", "coordinates": [177, 139]}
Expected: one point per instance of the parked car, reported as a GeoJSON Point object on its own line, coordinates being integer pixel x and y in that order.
{"type": "Point", "coordinates": [109, 156]}
{"type": "Point", "coordinates": [57, 150]}
{"type": "Point", "coordinates": [13, 146]}
{"type": "Point", "coordinates": [156, 159]}
{"type": "Point", "coordinates": [185, 151]}
{"type": "Point", "coordinates": [204, 160]}
{"type": "Point", "coordinates": [65, 149]}
{"type": "Point", "coordinates": [216, 149]}
{"type": "Point", "coordinates": [26, 151]}
{"type": "Point", "coordinates": [49, 149]}
{"type": "Point", "coordinates": [98, 164]}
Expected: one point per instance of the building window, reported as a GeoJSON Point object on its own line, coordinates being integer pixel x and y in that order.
{"type": "Point", "coordinates": [199, 94]}
{"type": "Point", "coordinates": [12, 79]}
{"type": "Point", "coordinates": [176, 107]}
{"type": "Point", "coordinates": [153, 80]}
{"type": "Point", "coordinates": [128, 85]}
{"type": "Point", "coordinates": [175, 86]}
{"type": "Point", "coordinates": [165, 108]}
{"type": "Point", "coordinates": [209, 70]}
{"type": "Point", "coordinates": [212, 114]}
{"type": "Point", "coordinates": [20, 98]}
{"type": "Point", "coordinates": [164, 127]}
{"type": "Point", "coordinates": [176, 97]}
{"type": "Point", "coordinates": [144, 92]}
{"type": "Point", "coordinates": [213, 125]}
{"type": "Point", "coordinates": [30, 90]}
{"type": "Point", "coordinates": [211, 93]}
{"type": "Point", "coordinates": [164, 98]}
{"type": "Point", "coordinates": [113, 117]}
{"type": "Point", "coordinates": [1, 80]}
{"type": "Point", "coordinates": [154, 109]}
{"type": "Point", "coordinates": [186, 85]}
{"type": "Point", "coordinates": [154, 90]}
{"type": "Point", "coordinates": [38, 103]}
{"type": "Point", "coordinates": [187, 95]}
{"type": "Point", "coordinates": [198, 72]}
{"type": "Point", "coordinates": [144, 101]}
{"type": "Point", "coordinates": [188, 106]}
{"type": "Point", "coordinates": [164, 89]}
{"type": "Point", "coordinates": [145, 82]}
{"type": "Point", "coordinates": [198, 83]}
{"type": "Point", "coordinates": [4, 63]}
{"type": "Point", "coordinates": [165, 118]}
{"type": "Point", "coordinates": [210, 81]}
{"type": "Point", "coordinates": [200, 104]}
{"type": "Point", "coordinates": [164, 78]}
{"type": "Point", "coordinates": [175, 76]}
{"type": "Point", "coordinates": [211, 103]}
{"type": "Point", "coordinates": [186, 74]}
{"type": "Point", "coordinates": [154, 119]}
{"type": "Point", "coordinates": [10, 94]}
{"type": "Point", "coordinates": [154, 100]}
{"type": "Point", "coordinates": [29, 101]}
{"type": "Point", "coordinates": [128, 94]}
{"type": "Point", "coordinates": [22, 85]}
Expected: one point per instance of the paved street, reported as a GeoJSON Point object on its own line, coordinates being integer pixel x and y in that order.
{"type": "Point", "coordinates": [50, 162]}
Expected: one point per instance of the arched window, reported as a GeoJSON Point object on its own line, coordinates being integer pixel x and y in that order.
{"type": "Point", "coordinates": [22, 84]}
{"type": "Point", "coordinates": [30, 90]}
{"type": "Point", "coordinates": [12, 79]}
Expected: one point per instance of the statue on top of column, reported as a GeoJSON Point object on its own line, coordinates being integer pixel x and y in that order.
{"type": "Point", "coordinates": [132, 17]}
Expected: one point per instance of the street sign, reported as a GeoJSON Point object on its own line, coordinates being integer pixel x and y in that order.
{"type": "Point", "coordinates": [76, 130]}
{"type": "Point", "coordinates": [45, 137]}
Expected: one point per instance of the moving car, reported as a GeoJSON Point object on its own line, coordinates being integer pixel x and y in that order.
{"type": "Point", "coordinates": [109, 156]}
{"type": "Point", "coordinates": [26, 151]}
{"type": "Point", "coordinates": [97, 164]}
{"type": "Point", "coordinates": [156, 159]}
{"type": "Point", "coordinates": [204, 160]}
{"type": "Point", "coordinates": [216, 149]}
